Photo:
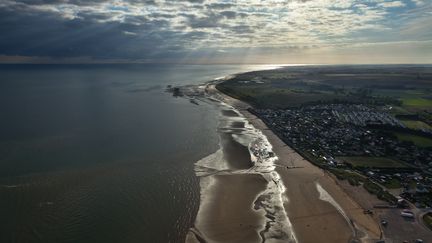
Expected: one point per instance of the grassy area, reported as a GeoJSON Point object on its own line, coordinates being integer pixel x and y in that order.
{"type": "Point", "coordinates": [294, 86]}
{"type": "Point", "coordinates": [417, 140]}
{"type": "Point", "coordinates": [416, 125]}
{"type": "Point", "coordinates": [392, 184]}
{"type": "Point", "coordinates": [373, 162]}
{"type": "Point", "coordinates": [427, 218]}
{"type": "Point", "coordinates": [353, 178]}
{"type": "Point", "coordinates": [397, 110]}
{"type": "Point", "coordinates": [379, 192]}
{"type": "Point", "coordinates": [417, 102]}
{"type": "Point", "coordinates": [265, 95]}
{"type": "Point", "coordinates": [401, 93]}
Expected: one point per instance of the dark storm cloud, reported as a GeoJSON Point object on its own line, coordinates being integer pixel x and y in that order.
{"type": "Point", "coordinates": [74, 2]}
{"type": "Point", "coordinates": [242, 29]}
{"type": "Point", "coordinates": [151, 29]}
{"type": "Point", "coordinates": [78, 2]}
{"type": "Point", "coordinates": [229, 14]}
{"type": "Point", "coordinates": [220, 5]}
{"type": "Point", "coordinates": [30, 33]}
{"type": "Point", "coordinates": [75, 28]}
{"type": "Point", "coordinates": [190, 1]}
{"type": "Point", "coordinates": [210, 21]}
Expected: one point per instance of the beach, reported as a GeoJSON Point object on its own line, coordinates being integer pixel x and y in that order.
{"type": "Point", "coordinates": [317, 209]}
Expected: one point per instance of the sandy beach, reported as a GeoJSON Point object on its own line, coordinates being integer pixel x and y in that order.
{"type": "Point", "coordinates": [318, 208]}
{"type": "Point", "coordinates": [228, 217]}
{"type": "Point", "coordinates": [223, 215]}
{"type": "Point", "coordinates": [241, 194]}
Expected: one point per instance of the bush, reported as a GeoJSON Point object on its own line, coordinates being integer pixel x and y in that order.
{"type": "Point", "coordinates": [379, 192]}
{"type": "Point", "coordinates": [353, 178]}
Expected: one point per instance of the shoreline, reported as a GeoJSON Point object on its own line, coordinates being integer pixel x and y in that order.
{"type": "Point", "coordinates": [335, 217]}
{"type": "Point", "coordinates": [241, 194]}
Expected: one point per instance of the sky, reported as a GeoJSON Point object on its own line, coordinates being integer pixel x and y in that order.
{"type": "Point", "coordinates": [216, 31]}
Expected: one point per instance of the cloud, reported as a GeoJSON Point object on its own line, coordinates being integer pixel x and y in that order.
{"type": "Point", "coordinates": [176, 29]}
{"type": "Point", "coordinates": [393, 4]}
{"type": "Point", "coordinates": [418, 2]}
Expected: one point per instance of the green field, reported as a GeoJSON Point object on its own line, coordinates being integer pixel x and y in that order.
{"type": "Point", "coordinates": [296, 86]}
{"type": "Point", "coordinates": [264, 95]}
{"type": "Point", "coordinates": [401, 93]}
{"type": "Point", "coordinates": [417, 102]}
{"type": "Point", "coordinates": [417, 140]}
{"type": "Point", "coordinates": [397, 110]}
{"type": "Point", "coordinates": [353, 178]}
{"type": "Point", "coordinates": [427, 218]}
{"type": "Point", "coordinates": [416, 125]}
{"type": "Point", "coordinates": [392, 184]}
{"type": "Point", "coordinates": [373, 162]}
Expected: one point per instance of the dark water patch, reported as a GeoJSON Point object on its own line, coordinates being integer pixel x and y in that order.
{"type": "Point", "coordinates": [238, 124]}
{"type": "Point", "coordinates": [147, 89]}
{"type": "Point", "coordinates": [122, 83]}
{"type": "Point", "coordinates": [88, 205]}
{"type": "Point", "coordinates": [229, 113]}
{"type": "Point", "coordinates": [236, 154]}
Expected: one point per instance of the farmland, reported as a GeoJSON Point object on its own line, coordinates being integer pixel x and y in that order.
{"type": "Point", "coordinates": [296, 86]}
{"type": "Point", "coordinates": [417, 102]}
{"type": "Point", "coordinates": [427, 218]}
{"type": "Point", "coordinates": [416, 125]}
{"type": "Point", "coordinates": [417, 140]}
{"type": "Point", "coordinates": [372, 162]}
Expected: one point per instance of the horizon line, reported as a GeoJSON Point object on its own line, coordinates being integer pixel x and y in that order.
{"type": "Point", "coordinates": [217, 63]}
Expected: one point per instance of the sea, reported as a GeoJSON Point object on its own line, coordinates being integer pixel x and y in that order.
{"type": "Point", "coordinates": [101, 152]}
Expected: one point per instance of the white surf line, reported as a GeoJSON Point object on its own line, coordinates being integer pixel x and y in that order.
{"type": "Point", "coordinates": [15, 186]}
{"type": "Point", "coordinates": [277, 226]}
{"type": "Point", "coordinates": [325, 196]}
{"type": "Point", "coordinates": [10, 186]}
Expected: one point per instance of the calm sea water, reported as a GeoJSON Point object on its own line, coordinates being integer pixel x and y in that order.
{"type": "Point", "coordinates": [100, 153]}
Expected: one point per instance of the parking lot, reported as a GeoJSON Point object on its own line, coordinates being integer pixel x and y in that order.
{"type": "Point", "coordinates": [400, 229]}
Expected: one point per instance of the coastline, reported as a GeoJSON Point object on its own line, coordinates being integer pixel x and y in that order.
{"type": "Point", "coordinates": [241, 198]}
{"type": "Point", "coordinates": [318, 208]}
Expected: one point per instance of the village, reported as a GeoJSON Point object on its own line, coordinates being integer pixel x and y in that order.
{"type": "Point", "coordinates": [353, 138]}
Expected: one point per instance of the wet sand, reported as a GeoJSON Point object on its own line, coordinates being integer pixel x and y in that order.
{"type": "Point", "coordinates": [313, 219]}
{"type": "Point", "coordinates": [223, 216]}
{"type": "Point", "coordinates": [241, 194]}
{"type": "Point", "coordinates": [228, 217]}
